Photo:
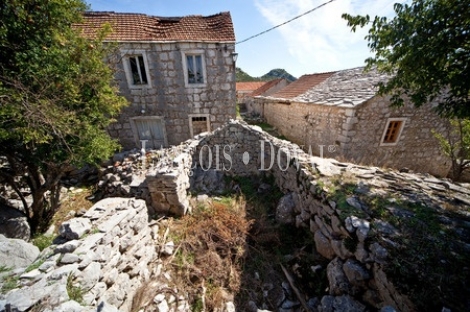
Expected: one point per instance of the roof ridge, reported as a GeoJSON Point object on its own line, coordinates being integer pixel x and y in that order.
{"type": "Point", "coordinates": [109, 13]}
{"type": "Point", "coordinates": [322, 73]}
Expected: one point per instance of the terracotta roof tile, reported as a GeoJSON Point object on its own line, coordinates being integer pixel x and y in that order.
{"type": "Point", "coordinates": [301, 85]}
{"type": "Point", "coordinates": [265, 87]}
{"type": "Point", "coordinates": [249, 86]}
{"type": "Point", "coordinates": [142, 27]}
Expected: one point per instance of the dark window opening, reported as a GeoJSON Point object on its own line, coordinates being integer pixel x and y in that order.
{"type": "Point", "coordinates": [138, 71]}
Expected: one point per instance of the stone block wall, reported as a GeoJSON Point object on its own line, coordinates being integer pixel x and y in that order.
{"type": "Point", "coordinates": [308, 125]}
{"type": "Point", "coordinates": [169, 98]}
{"type": "Point", "coordinates": [168, 182]}
{"type": "Point", "coordinates": [417, 148]}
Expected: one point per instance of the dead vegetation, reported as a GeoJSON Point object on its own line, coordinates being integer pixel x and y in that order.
{"type": "Point", "coordinates": [205, 266]}
{"type": "Point", "coordinates": [232, 249]}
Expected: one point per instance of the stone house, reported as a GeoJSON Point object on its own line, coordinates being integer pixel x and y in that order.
{"type": "Point", "coordinates": [266, 89]}
{"type": "Point", "coordinates": [246, 88]}
{"type": "Point", "coordinates": [178, 73]}
{"type": "Point", "coordinates": [339, 115]}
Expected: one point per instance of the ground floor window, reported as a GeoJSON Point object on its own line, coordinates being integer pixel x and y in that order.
{"type": "Point", "coordinates": [392, 131]}
{"type": "Point", "coordinates": [199, 123]}
{"type": "Point", "coordinates": [150, 129]}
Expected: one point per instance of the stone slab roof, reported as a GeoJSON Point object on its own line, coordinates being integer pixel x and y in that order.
{"type": "Point", "coordinates": [349, 87]}
{"type": "Point", "coordinates": [132, 27]}
{"type": "Point", "coordinates": [249, 85]}
{"type": "Point", "coordinates": [301, 85]}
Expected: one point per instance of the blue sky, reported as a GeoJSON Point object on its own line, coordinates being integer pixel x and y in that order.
{"type": "Point", "coordinates": [317, 42]}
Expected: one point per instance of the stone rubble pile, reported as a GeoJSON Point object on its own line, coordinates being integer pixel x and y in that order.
{"type": "Point", "coordinates": [106, 254]}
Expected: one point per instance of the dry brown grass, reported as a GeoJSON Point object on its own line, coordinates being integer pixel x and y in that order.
{"type": "Point", "coordinates": [72, 202]}
{"type": "Point", "coordinates": [208, 259]}
{"type": "Point", "coordinates": [214, 239]}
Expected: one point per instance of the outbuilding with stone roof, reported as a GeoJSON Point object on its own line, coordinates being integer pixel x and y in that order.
{"type": "Point", "coordinates": [340, 115]}
{"type": "Point", "coordinates": [178, 73]}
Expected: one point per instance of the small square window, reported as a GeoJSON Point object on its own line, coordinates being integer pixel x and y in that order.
{"type": "Point", "coordinates": [392, 131]}
{"type": "Point", "coordinates": [199, 123]}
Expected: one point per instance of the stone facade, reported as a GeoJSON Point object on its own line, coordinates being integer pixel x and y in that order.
{"type": "Point", "coordinates": [169, 98]}
{"type": "Point", "coordinates": [417, 148]}
{"type": "Point", "coordinates": [250, 106]}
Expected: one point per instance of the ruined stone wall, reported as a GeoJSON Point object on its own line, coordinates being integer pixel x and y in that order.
{"type": "Point", "coordinates": [416, 149]}
{"type": "Point", "coordinates": [169, 98]}
{"type": "Point", "coordinates": [235, 150]}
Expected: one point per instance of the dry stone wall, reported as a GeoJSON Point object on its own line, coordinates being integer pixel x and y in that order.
{"type": "Point", "coordinates": [110, 250]}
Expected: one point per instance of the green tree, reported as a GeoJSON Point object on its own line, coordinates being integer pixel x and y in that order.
{"type": "Point", "coordinates": [456, 145]}
{"type": "Point", "coordinates": [426, 47]}
{"type": "Point", "coordinates": [56, 99]}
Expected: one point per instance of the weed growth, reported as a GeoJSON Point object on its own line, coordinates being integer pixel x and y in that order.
{"type": "Point", "coordinates": [43, 241]}
{"type": "Point", "coordinates": [75, 292]}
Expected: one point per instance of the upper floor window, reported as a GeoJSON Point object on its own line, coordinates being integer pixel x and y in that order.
{"type": "Point", "coordinates": [136, 68]}
{"type": "Point", "coordinates": [194, 67]}
{"type": "Point", "coordinates": [392, 131]}
{"type": "Point", "coordinates": [139, 73]}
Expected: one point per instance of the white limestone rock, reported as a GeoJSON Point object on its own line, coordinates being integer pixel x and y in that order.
{"type": "Point", "coordinates": [16, 253]}
{"type": "Point", "coordinates": [75, 228]}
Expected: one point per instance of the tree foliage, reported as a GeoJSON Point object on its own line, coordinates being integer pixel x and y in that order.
{"type": "Point", "coordinates": [426, 47]}
{"type": "Point", "coordinates": [56, 98]}
{"type": "Point", "coordinates": [456, 145]}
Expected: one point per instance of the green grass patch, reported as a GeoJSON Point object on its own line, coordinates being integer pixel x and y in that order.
{"type": "Point", "coordinates": [75, 292]}
{"type": "Point", "coordinates": [34, 265]}
{"type": "Point", "coordinates": [43, 241]}
{"type": "Point", "coordinates": [9, 282]}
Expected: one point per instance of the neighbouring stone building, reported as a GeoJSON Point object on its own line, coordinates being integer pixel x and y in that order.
{"type": "Point", "coordinates": [178, 74]}
{"type": "Point", "coordinates": [245, 88]}
{"type": "Point", "coordinates": [338, 114]}
{"type": "Point", "coordinates": [268, 88]}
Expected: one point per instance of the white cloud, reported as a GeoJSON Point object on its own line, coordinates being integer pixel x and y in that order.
{"type": "Point", "coordinates": [321, 40]}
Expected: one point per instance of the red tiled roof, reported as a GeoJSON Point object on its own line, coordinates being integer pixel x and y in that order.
{"type": "Point", "coordinates": [268, 85]}
{"type": "Point", "coordinates": [301, 85]}
{"type": "Point", "coordinates": [142, 27]}
{"type": "Point", "coordinates": [249, 86]}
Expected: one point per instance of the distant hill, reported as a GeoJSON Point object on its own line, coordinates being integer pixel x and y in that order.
{"type": "Point", "coordinates": [244, 77]}
{"type": "Point", "coordinates": [273, 74]}
{"type": "Point", "coordinates": [278, 73]}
